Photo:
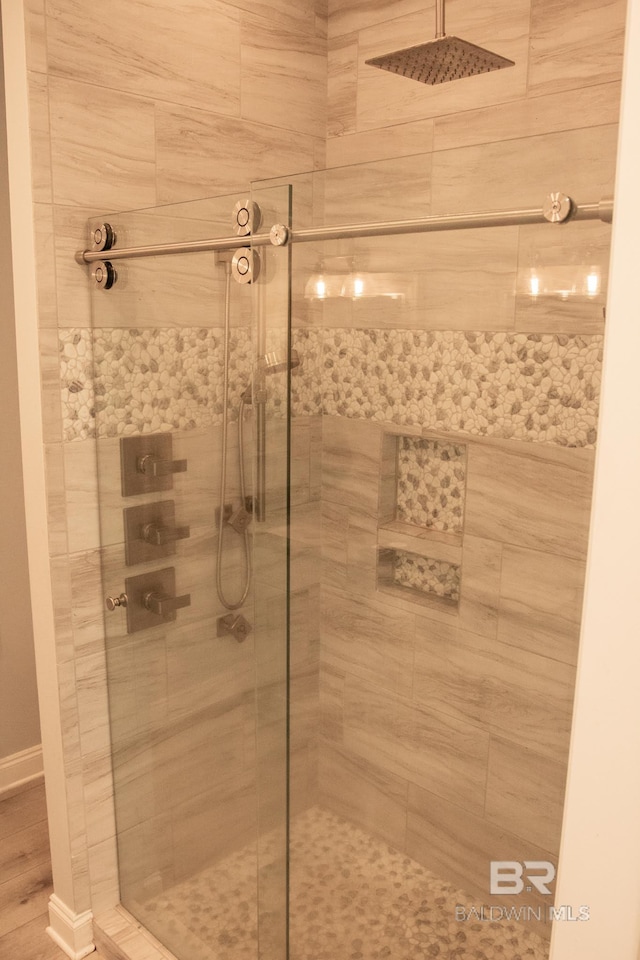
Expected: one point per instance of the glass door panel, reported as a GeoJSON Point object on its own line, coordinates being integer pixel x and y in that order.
{"type": "Point", "coordinates": [444, 417]}
{"type": "Point", "coordinates": [182, 661]}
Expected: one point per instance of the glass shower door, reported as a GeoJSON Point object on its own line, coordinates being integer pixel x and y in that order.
{"type": "Point", "coordinates": [444, 416]}
{"type": "Point", "coordinates": [191, 716]}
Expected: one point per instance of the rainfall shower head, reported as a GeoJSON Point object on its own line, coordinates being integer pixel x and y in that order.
{"type": "Point", "coordinates": [442, 59]}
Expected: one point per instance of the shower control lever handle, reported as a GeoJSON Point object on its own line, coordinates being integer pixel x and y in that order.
{"type": "Point", "coordinates": [164, 605]}
{"type": "Point", "coordinates": [158, 534]}
{"type": "Point", "coordinates": [154, 467]}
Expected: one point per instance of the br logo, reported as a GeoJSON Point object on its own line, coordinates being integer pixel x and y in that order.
{"type": "Point", "coordinates": [513, 876]}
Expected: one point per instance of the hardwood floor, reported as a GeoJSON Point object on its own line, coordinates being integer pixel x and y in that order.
{"type": "Point", "coordinates": [25, 877]}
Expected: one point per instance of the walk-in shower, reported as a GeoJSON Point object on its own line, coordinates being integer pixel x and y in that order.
{"type": "Point", "coordinates": [341, 780]}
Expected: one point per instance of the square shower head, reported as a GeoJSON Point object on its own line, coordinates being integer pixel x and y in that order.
{"type": "Point", "coordinates": [440, 60]}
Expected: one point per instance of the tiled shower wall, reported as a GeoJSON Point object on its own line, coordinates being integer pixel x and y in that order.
{"type": "Point", "coordinates": [444, 728]}
{"type": "Point", "coordinates": [138, 105]}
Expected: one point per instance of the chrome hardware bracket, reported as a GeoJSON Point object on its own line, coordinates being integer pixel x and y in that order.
{"type": "Point", "coordinates": [234, 625]}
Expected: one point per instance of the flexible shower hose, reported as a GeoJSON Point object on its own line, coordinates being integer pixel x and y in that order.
{"type": "Point", "coordinates": [223, 467]}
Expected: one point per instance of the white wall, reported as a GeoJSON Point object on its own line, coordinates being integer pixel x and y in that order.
{"type": "Point", "coordinates": [19, 721]}
{"type": "Point", "coordinates": [600, 854]}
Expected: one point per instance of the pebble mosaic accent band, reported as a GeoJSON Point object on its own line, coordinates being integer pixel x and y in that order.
{"type": "Point", "coordinates": [430, 484]}
{"type": "Point", "coordinates": [120, 382]}
{"type": "Point", "coordinates": [412, 915]}
{"type": "Point", "coordinates": [437, 578]}
{"type": "Point", "coordinates": [532, 386]}
{"type": "Point", "coordinates": [537, 387]}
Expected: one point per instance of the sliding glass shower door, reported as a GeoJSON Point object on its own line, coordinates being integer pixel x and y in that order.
{"type": "Point", "coordinates": [196, 677]}
{"type": "Point", "coordinates": [444, 416]}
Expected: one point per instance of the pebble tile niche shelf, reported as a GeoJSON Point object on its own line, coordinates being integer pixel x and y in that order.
{"type": "Point", "coordinates": [421, 579]}
{"type": "Point", "coordinates": [422, 497]}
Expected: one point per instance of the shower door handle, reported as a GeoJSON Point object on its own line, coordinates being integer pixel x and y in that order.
{"type": "Point", "coordinates": [163, 605]}
{"type": "Point", "coordinates": [153, 467]}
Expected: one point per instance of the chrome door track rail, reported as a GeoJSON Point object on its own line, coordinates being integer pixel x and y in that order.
{"type": "Point", "coordinates": [557, 208]}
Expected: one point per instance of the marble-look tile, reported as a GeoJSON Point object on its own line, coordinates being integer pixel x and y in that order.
{"type": "Point", "coordinates": [330, 708]}
{"type": "Point", "coordinates": [342, 86]}
{"type": "Point", "coordinates": [507, 691]}
{"type": "Point", "coordinates": [81, 490]}
{"type": "Point", "coordinates": [350, 464]}
{"type": "Point", "coordinates": [84, 172]}
{"type": "Point", "coordinates": [244, 150]}
{"type": "Point", "coordinates": [87, 602]}
{"type": "Point", "coordinates": [99, 793]}
{"type": "Point", "coordinates": [559, 268]}
{"type": "Point", "coordinates": [363, 637]}
{"type": "Point", "coordinates": [72, 291]}
{"type": "Point", "coordinates": [352, 15]}
{"type": "Point", "coordinates": [364, 794]}
{"type": "Point", "coordinates": [103, 870]}
{"type": "Point", "coordinates": [35, 35]}
{"type": "Point", "coordinates": [417, 743]}
{"type": "Point", "coordinates": [541, 602]}
{"type": "Point", "coordinates": [380, 190]}
{"type": "Point", "coordinates": [93, 716]}
{"type": "Point", "coordinates": [315, 458]}
{"type": "Point", "coordinates": [56, 499]}
{"type": "Point", "coordinates": [575, 45]}
{"type": "Point", "coordinates": [284, 76]}
{"type": "Point", "coordinates": [399, 140]}
{"type": "Point", "coordinates": [61, 587]}
{"type": "Point", "coordinates": [525, 793]}
{"type": "Point", "coordinates": [459, 846]}
{"type": "Point", "coordinates": [303, 772]}
{"type": "Point", "coordinates": [306, 17]}
{"type": "Point", "coordinates": [45, 261]}
{"type": "Point", "coordinates": [189, 295]}
{"type": "Point", "coordinates": [213, 824]}
{"type": "Point", "coordinates": [543, 505]}
{"type": "Point", "coordinates": [210, 740]}
{"type": "Point", "coordinates": [384, 98]}
{"type": "Point", "coordinates": [529, 117]}
{"type": "Point", "coordinates": [520, 173]}
{"type": "Point", "coordinates": [50, 385]}
{"type": "Point", "coordinates": [145, 859]}
{"type": "Point", "coordinates": [335, 531]}
{"type": "Point", "coordinates": [121, 51]}
{"type": "Point", "coordinates": [40, 138]}
{"type": "Point", "coordinates": [480, 589]}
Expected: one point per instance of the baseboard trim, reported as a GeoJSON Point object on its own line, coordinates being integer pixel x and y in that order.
{"type": "Point", "coordinates": [17, 769]}
{"type": "Point", "coordinates": [73, 932]}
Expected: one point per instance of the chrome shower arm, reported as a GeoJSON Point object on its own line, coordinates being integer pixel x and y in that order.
{"type": "Point", "coordinates": [440, 32]}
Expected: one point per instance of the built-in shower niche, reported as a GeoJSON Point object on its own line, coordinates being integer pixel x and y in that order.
{"type": "Point", "coordinates": [418, 578]}
{"type": "Point", "coordinates": [422, 497]}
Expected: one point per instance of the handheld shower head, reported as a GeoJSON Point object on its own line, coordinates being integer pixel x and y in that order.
{"type": "Point", "coordinates": [276, 361]}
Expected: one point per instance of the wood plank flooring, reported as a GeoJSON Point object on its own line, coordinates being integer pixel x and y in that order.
{"type": "Point", "coordinates": [25, 877]}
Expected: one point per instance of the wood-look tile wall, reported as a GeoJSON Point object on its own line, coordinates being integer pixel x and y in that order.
{"type": "Point", "coordinates": [149, 104]}
{"type": "Point", "coordinates": [446, 731]}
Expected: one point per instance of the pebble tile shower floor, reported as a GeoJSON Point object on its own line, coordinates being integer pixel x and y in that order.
{"type": "Point", "coordinates": [352, 898]}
